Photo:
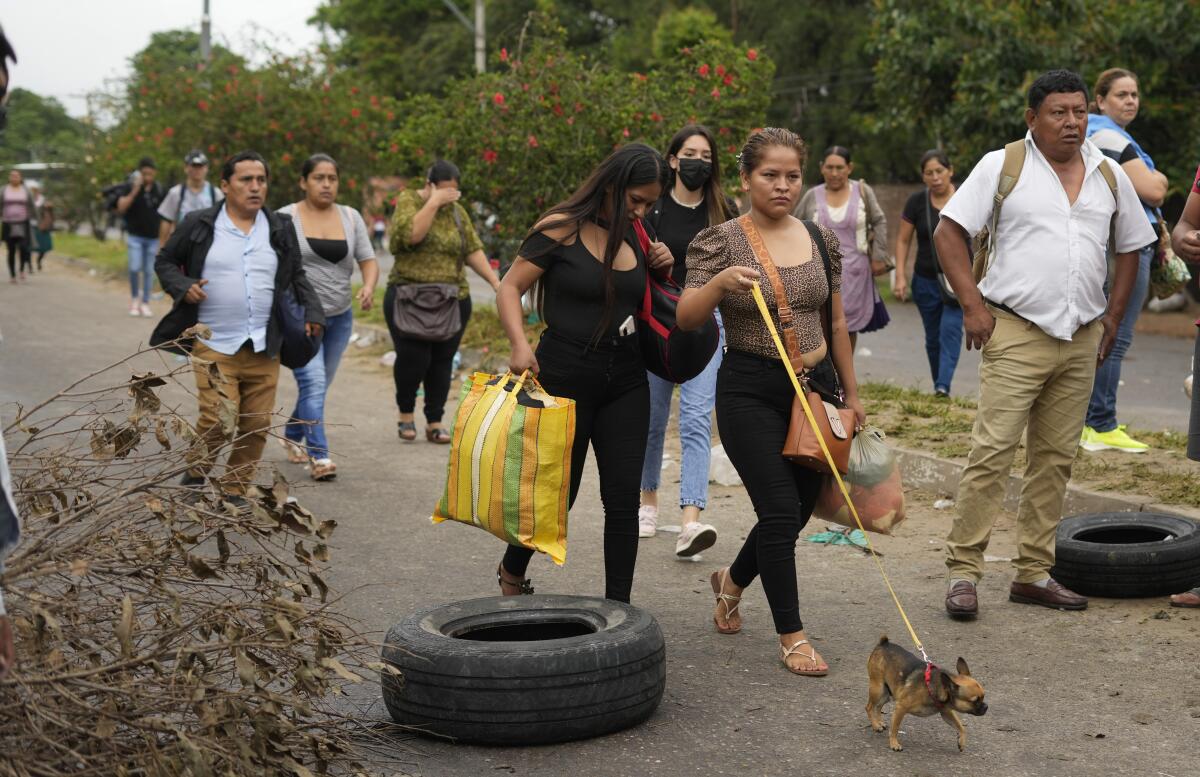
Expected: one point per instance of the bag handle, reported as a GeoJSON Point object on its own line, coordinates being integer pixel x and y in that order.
{"type": "Point", "coordinates": [786, 319]}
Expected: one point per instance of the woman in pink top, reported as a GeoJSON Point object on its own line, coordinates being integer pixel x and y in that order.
{"type": "Point", "coordinates": [16, 230]}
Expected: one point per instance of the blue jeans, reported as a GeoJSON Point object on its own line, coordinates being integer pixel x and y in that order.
{"type": "Point", "coordinates": [943, 330]}
{"type": "Point", "coordinates": [1102, 409]}
{"type": "Point", "coordinates": [307, 424]}
{"type": "Point", "coordinates": [142, 251]}
{"type": "Point", "coordinates": [696, 400]}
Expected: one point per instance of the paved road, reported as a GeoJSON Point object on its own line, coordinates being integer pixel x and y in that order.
{"type": "Point", "coordinates": [1110, 691]}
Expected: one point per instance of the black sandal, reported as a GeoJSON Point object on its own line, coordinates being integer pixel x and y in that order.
{"type": "Point", "coordinates": [437, 434]}
{"type": "Point", "coordinates": [407, 430]}
{"type": "Point", "coordinates": [524, 585]}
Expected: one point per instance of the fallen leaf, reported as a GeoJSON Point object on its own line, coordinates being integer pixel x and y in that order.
{"type": "Point", "coordinates": [340, 669]}
{"type": "Point", "coordinates": [326, 528]}
{"type": "Point", "coordinates": [201, 569]}
{"type": "Point", "coordinates": [245, 669]}
{"type": "Point", "coordinates": [79, 567]}
{"type": "Point", "coordinates": [124, 627]}
{"type": "Point", "coordinates": [222, 547]}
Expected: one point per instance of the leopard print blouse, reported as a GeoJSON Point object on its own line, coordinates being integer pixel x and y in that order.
{"type": "Point", "coordinates": [726, 245]}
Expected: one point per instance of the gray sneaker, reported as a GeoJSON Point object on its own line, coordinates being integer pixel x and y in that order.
{"type": "Point", "coordinates": [693, 538]}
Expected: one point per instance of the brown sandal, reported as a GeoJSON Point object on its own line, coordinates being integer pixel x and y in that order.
{"type": "Point", "coordinates": [437, 434]}
{"type": "Point", "coordinates": [523, 585]}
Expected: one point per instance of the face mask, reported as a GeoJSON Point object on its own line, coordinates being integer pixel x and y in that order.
{"type": "Point", "coordinates": [694, 173]}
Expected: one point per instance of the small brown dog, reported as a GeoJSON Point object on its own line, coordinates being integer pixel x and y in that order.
{"type": "Point", "coordinates": [919, 689]}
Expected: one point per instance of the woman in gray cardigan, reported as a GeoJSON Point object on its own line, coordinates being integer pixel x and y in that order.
{"type": "Point", "coordinates": [851, 210]}
{"type": "Point", "coordinates": [333, 238]}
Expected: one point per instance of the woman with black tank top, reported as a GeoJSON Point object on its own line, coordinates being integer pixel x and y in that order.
{"type": "Point", "coordinates": [694, 201]}
{"type": "Point", "coordinates": [333, 239]}
{"type": "Point", "coordinates": [591, 278]}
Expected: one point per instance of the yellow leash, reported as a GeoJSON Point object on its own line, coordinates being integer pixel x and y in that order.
{"type": "Point", "coordinates": [766, 316]}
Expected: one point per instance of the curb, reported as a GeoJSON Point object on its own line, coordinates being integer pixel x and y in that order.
{"type": "Point", "coordinates": [921, 470]}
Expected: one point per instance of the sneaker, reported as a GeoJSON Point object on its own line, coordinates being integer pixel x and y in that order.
{"type": "Point", "coordinates": [693, 538]}
{"type": "Point", "coordinates": [647, 521]}
{"type": "Point", "coordinates": [322, 469]}
{"type": "Point", "coordinates": [1116, 440]}
{"type": "Point", "coordinates": [1086, 438]}
{"type": "Point", "coordinates": [134, 310]}
{"type": "Point", "coordinates": [146, 311]}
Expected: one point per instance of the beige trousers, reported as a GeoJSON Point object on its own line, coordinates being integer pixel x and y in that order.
{"type": "Point", "coordinates": [1026, 378]}
{"type": "Point", "coordinates": [244, 393]}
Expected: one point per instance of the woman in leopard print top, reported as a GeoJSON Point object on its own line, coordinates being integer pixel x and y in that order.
{"type": "Point", "coordinates": [754, 392]}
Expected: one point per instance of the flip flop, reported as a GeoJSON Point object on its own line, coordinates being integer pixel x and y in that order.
{"type": "Point", "coordinates": [1186, 599]}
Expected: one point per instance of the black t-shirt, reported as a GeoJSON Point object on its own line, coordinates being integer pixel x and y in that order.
{"type": "Point", "coordinates": [573, 288]}
{"type": "Point", "coordinates": [676, 225]}
{"type": "Point", "coordinates": [141, 220]}
{"type": "Point", "coordinates": [914, 213]}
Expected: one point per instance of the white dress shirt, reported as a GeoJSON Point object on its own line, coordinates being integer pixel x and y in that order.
{"type": "Point", "coordinates": [240, 270]}
{"type": "Point", "coordinates": [1049, 260]}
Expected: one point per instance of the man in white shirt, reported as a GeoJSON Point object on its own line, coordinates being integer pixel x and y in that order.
{"type": "Point", "coordinates": [1042, 322]}
{"type": "Point", "coordinates": [195, 193]}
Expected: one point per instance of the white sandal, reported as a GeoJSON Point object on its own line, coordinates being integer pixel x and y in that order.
{"type": "Point", "coordinates": [718, 585]}
{"type": "Point", "coordinates": [811, 656]}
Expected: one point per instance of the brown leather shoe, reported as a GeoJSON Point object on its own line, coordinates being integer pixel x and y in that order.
{"type": "Point", "coordinates": [961, 601]}
{"type": "Point", "coordinates": [1055, 596]}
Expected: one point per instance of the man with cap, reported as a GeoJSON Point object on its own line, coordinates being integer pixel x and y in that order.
{"type": "Point", "coordinates": [195, 193]}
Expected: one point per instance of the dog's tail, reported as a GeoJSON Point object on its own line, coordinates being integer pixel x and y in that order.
{"type": "Point", "coordinates": [883, 640]}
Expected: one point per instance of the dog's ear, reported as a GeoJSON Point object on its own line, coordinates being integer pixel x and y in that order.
{"type": "Point", "coordinates": [962, 667]}
{"type": "Point", "coordinates": [943, 687]}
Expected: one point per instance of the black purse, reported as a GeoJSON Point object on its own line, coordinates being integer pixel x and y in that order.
{"type": "Point", "coordinates": [298, 347]}
{"type": "Point", "coordinates": [669, 352]}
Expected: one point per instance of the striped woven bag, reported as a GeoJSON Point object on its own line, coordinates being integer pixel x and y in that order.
{"type": "Point", "coordinates": [510, 462]}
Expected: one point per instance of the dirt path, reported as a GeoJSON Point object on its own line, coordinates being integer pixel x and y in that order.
{"type": "Point", "coordinates": [1109, 691]}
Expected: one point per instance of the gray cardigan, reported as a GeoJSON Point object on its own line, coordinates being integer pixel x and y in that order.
{"type": "Point", "coordinates": [876, 220]}
{"type": "Point", "coordinates": [331, 280]}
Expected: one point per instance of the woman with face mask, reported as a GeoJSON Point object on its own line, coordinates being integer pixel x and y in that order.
{"type": "Point", "coordinates": [850, 209]}
{"type": "Point", "coordinates": [694, 201]}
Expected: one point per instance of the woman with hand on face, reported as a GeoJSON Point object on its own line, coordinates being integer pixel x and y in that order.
{"type": "Point", "coordinates": [851, 211]}
{"type": "Point", "coordinates": [940, 313]}
{"type": "Point", "coordinates": [433, 242]}
{"type": "Point", "coordinates": [694, 200]}
{"type": "Point", "coordinates": [591, 274]}
{"type": "Point", "coordinates": [333, 239]}
{"type": "Point", "coordinates": [754, 392]}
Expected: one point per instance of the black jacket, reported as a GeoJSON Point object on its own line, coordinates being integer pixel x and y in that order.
{"type": "Point", "coordinates": [180, 263]}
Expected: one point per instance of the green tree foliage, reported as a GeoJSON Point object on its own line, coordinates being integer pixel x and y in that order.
{"type": "Point", "coordinates": [408, 47]}
{"type": "Point", "coordinates": [39, 130]}
{"type": "Point", "coordinates": [527, 134]}
{"type": "Point", "coordinates": [173, 53]}
{"type": "Point", "coordinates": [687, 27]}
{"type": "Point", "coordinates": [286, 109]}
{"type": "Point", "coordinates": [959, 70]}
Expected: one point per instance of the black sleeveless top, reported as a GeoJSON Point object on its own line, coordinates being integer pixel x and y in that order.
{"type": "Point", "coordinates": [573, 287]}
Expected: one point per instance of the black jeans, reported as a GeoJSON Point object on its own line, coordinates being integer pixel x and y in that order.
{"type": "Point", "coordinates": [754, 404]}
{"type": "Point", "coordinates": [17, 245]}
{"type": "Point", "coordinates": [420, 361]}
{"type": "Point", "coordinates": [612, 412]}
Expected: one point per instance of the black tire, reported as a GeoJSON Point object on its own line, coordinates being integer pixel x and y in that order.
{"type": "Point", "coordinates": [1127, 555]}
{"type": "Point", "coordinates": [525, 670]}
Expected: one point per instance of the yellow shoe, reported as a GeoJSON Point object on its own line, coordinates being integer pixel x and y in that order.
{"type": "Point", "coordinates": [1116, 440]}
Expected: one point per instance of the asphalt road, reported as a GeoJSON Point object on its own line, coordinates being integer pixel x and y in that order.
{"type": "Point", "coordinates": [1108, 691]}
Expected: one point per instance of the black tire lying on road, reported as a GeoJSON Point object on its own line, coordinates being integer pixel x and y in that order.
{"type": "Point", "coordinates": [524, 670]}
{"type": "Point", "coordinates": [1127, 555]}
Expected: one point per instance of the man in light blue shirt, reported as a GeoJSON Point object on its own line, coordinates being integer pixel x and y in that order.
{"type": "Point", "coordinates": [223, 266]}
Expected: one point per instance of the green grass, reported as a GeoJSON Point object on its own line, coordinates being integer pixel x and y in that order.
{"type": "Point", "coordinates": [107, 256]}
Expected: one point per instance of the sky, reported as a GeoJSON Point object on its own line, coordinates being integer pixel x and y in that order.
{"type": "Point", "coordinates": [66, 48]}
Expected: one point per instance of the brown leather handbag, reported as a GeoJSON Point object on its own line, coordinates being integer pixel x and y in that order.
{"type": "Point", "coordinates": [834, 422]}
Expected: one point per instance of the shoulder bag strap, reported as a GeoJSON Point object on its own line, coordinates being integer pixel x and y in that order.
{"type": "Point", "coordinates": [1111, 179]}
{"type": "Point", "coordinates": [462, 235]}
{"type": "Point", "coordinates": [786, 319]}
{"type": "Point", "coordinates": [929, 227]}
{"type": "Point", "coordinates": [814, 232]}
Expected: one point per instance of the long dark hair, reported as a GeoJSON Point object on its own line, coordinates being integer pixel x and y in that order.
{"type": "Point", "coordinates": [634, 164]}
{"type": "Point", "coordinates": [714, 194]}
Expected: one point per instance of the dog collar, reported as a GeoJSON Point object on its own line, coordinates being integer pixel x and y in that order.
{"type": "Point", "coordinates": [929, 667]}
